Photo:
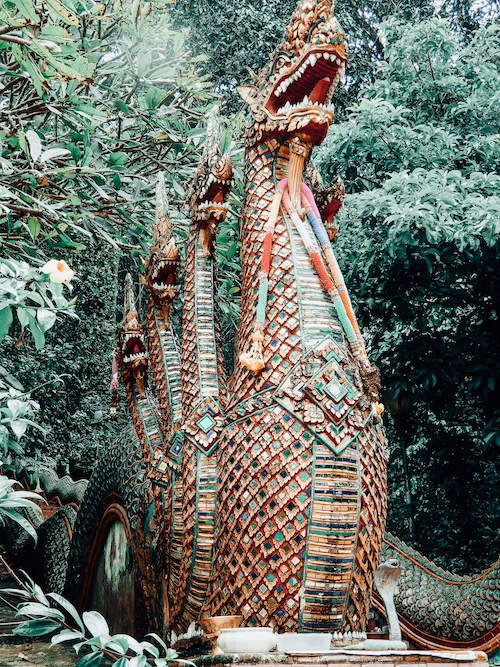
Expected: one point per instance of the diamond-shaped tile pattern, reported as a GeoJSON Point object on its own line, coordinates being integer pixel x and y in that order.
{"type": "Point", "coordinates": [373, 457]}
{"type": "Point", "coordinates": [282, 344]}
{"type": "Point", "coordinates": [203, 425]}
{"type": "Point", "coordinates": [264, 486]}
{"type": "Point", "coordinates": [275, 497]}
{"type": "Point", "coordinates": [202, 366]}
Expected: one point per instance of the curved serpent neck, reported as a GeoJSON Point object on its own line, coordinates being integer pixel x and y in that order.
{"type": "Point", "coordinates": [439, 609]}
{"type": "Point", "coordinates": [299, 312]}
{"type": "Point", "coordinates": [203, 373]}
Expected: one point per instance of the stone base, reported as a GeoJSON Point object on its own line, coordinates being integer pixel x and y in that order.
{"type": "Point", "coordinates": [346, 657]}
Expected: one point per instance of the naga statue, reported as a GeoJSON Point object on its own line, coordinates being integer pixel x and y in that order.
{"type": "Point", "coordinates": [262, 493]}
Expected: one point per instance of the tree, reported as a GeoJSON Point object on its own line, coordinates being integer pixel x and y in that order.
{"type": "Point", "coordinates": [237, 37]}
{"type": "Point", "coordinates": [419, 248]}
{"type": "Point", "coordinates": [96, 98]}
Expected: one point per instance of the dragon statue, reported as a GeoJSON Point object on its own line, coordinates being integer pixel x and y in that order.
{"type": "Point", "coordinates": [262, 493]}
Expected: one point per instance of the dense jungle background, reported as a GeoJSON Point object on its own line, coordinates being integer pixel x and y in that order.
{"type": "Point", "coordinates": [97, 97]}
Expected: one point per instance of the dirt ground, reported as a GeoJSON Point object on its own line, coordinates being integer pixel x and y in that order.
{"type": "Point", "coordinates": [36, 653]}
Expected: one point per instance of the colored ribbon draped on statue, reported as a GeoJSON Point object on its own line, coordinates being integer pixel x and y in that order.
{"type": "Point", "coordinates": [329, 273]}
{"type": "Point", "coordinates": [114, 388]}
{"type": "Point", "coordinates": [253, 359]}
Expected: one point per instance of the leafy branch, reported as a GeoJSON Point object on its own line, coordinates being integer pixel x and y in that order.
{"type": "Point", "coordinates": [88, 633]}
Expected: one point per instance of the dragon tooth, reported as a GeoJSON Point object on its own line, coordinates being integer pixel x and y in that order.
{"type": "Point", "coordinates": [312, 59]}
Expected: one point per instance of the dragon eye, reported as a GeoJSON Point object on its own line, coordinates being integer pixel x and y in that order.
{"type": "Point", "coordinates": [280, 62]}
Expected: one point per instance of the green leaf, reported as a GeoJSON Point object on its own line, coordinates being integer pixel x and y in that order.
{"type": "Point", "coordinates": [27, 9]}
{"type": "Point", "coordinates": [67, 635]}
{"type": "Point", "coordinates": [46, 319]}
{"type": "Point", "coordinates": [19, 427]}
{"type": "Point", "coordinates": [38, 609]}
{"type": "Point", "coordinates": [95, 623]}
{"type": "Point", "coordinates": [61, 11]}
{"type": "Point", "coordinates": [67, 606]}
{"type": "Point", "coordinates": [90, 660]}
{"type": "Point", "coordinates": [34, 227]}
{"type": "Point", "coordinates": [154, 97]}
{"type": "Point", "coordinates": [118, 159]}
{"type": "Point", "coordinates": [5, 321]}
{"type": "Point", "coordinates": [36, 332]}
{"type": "Point", "coordinates": [36, 628]}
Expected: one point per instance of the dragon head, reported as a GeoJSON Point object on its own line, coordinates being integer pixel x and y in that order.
{"type": "Point", "coordinates": [207, 200]}
{"type": "Point", "coordinates": [132, 354]}
{"type": "Point", "coordinates": [293, 92]}
{"type": "Point", "coordinates": [162, 265]}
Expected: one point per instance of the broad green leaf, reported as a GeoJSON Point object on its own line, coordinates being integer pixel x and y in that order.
{"type": "Point", "coordinates": [5, 321]}
{"type": "Point", "coordinates": [63, 12]}
{"type": "Point", "coordinates": [34, 227]}
{"type": "Point", "coordinates": [118, 159]}
{"type": "Point", "coordinates": [67, 606]}
{"type": "Point", "coordinates": [66, 635]}
{"type": "Point", "coordinates": [27, 9]}
{"type": "Point", "coordinates": [46, 319]}
{"type": "Point", "coordinates": [35, 144]}
{"type": "Point", "coordinates": [36, 628]}
{"type": "Point", "coordinates": [36, 332]}
{"type": "Point", "coordinates": [90, 660]}
{"type": "Point", "coordinates": [38, 609]}
{"type": "Point", "coordinates": [95, 623]}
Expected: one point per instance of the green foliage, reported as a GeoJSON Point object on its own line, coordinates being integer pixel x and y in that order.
{"type": "Point", "coordinates": [33, 296]}
{"type": "Point", "coordinates": [79, 144]}
{"type": "Point", "coordinates": [419, 248]}
{"type": "Point", "coordinates": [13, 503]}
{"type": "Point", "coordinates": [89, 632]}
{"type": "Point", "coordinates": [36, 301]}
{"type": "Point", "coordinates": [97, 97]}
{"type": "Point", "coordinates": [71, 373]}
{"type": "Point", "coordinates": [238, 37]}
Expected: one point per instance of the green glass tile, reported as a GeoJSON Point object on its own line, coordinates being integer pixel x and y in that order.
{"type": "Point", "coordinates": [206, 423]}
{"type": "Point", "coordinates": [279, 537]}
{"type": "Point", "coordinates": [336, 390]}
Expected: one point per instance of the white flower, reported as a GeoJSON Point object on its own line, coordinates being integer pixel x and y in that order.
{"type": "Point", "coordinates": [58, 271]}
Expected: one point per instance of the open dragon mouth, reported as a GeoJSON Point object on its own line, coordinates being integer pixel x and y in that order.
{"type": "Point", "coordinates": [164, 276]}
{"type": "Point", "coordinates": [309, 86]}
{"type": "Point", "coordinates": [133, 348]}
{"type": "Point", "coordinates": [212, 202]}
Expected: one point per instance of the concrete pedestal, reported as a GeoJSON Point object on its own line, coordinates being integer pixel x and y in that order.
{"type": "Point", "coordinates": [346, 657]}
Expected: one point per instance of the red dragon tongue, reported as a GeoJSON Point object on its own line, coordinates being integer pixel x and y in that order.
{"type": "Point", "coordinates": [219, 198]}
{"type": "Point", "coordinates": [320, 90]}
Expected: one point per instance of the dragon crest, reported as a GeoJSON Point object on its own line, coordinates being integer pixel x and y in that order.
{"type": "Point", "coordinates": [131, 350]}
{"type": "Point", "coordinates": [207, 200]}
{"type": "Point", "coordinates": [162, 265]}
